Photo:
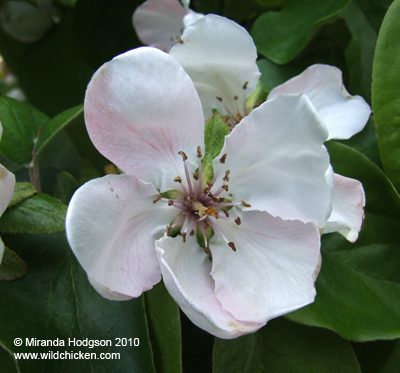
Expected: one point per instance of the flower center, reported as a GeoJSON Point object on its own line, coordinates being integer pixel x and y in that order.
{"type": "Point", "coordinates": [203, 209]}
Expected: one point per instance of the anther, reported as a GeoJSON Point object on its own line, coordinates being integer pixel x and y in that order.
{"type": "Point", "coordinates": [158, 197]}
{"type": "Point", "coordinates": [219, 99]}
{"type": "Point", "coordinates": [232, 246]}
{"type": "Point", "coordinates": [170, 202]}
{"type": "Point", "coordinates": [196, 176]}
{"type": "Point", "coordinates": [178, 179]}
{"type": "Point", "coordinates": [220, 200]}
{"type": "Point", "coordinates": [180, 41]}
{"type": "Point", "coordinates": [225, 187]}
{"type": "Point", "coordinates": [226, 177]}
{"type": "Point", "coordinates": [192, 233]}
{"type": "Point", "coordinates": [206, 225]}
{"type": "Point", "coordinates": [207, 250]}
{"type": "Point", "coordinates": [183, 237]}
{"type": "Point", "coordinates": [209, 184]}
{"type": "Point", "coordinates": [216, 200]}
{"type": "Point", "coordinates": [206, 190]}
{"type": "Point", "coordinates": [245, 204]}
{"type": "Point", "coordinates": [236, 97]}
{"type": "Point", "coordinates": [168, 230]}
{"type": "Point", "coordinates": [199, 155]}
{"type": "Point", "coordinates": [223, 158]}
{"type": "Point", "coordinates": [238, 221]}
{"type": "Point", "coordinates": [185, 213]}
{"type": "Point", "coordinates": [184, 156]}
{"type": "Point", "coordinates": [189, 203]}
{"type": "Point", "coordinates": [226, 213]}
{"type": "Point", "coordinates": [192, 197]}
{"type": "Point", "coordinates": [245, 85]}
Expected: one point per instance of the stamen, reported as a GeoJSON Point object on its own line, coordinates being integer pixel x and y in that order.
{"type": "Point", "coordinates": [207, 250]}
{"type": "Point", "coordinates": [245, 204]}
{"type": "Point", "coordinates": [192, 197]}
{"type": "Point", "coordinates": [183, 237]}
{"type": "Point", "coordinates": [232, 246]}
{"type": "Point", "coordinates": [199, 155]}
{"type": "Point", "coordinates": [203, 230]}
{"type": "Point", "coordinates": [217, 230]}
{"type": "Point", "coordinates": [189, 203]}
{"type": "Point", "coordinates": [192, 233]}
{"type": "Point", "coordinates": [219, 99]}
{"type": "Point", "coordinates": [245, 85]}
{"type": "Point", "coordinates": [199, 184]}
{"type": "Point", "coordinates": [238, 221]}
{"type": "Point", "coordinates": [226, 177]}
{"type": "Point", "coordinates": [184, 156]}
{"type": "Point", "coordinates": [225, 187]}
{"type": "Point", "coordinates": [225, 212]}
{"type": "Point", "coordinates": [158, 197]}
{"type": "Point", "coordinates": [195, 176]}
{"type": "Point", "coordinates": [209, 184]}
{"type": "Point", "coordinates": [183, 216]}
{"type": "Point", "coordinates": [178, 179]}
{"type": "Point", "coordinates": [236, 97]}
{"type": "Point", "coordinates": [223, 158]}
{"type": "Point", "coordinates": [171, 202]}
{"type": "Point", "coordinates": [180, 41]}
{"type": "Point", "coordinates": [168, 231]}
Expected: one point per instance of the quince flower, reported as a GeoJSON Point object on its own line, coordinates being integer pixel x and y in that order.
{"type": "Point", "coordinates": [25, 22]}
{"type": "Point", "coordinates": [160, 23]}
{"type": "Point", "coordinates": [7, 184]}
{"type": "Point", "coordinates": [220, 57]}
{"type": "Point", "coordinates": [266, 194]}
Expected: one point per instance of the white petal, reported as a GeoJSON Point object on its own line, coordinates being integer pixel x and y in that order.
{"type": "Point", "coordinates": [186, 273]}
{"type": "Point", "coordinates": [141, 109]}
{"type": "Point", "coordinates": [159, 23]}
{"type": "Point", "coordinates": [347, 208]}
{"type": "Point", "coordinates": [278, 162]}
{"type": "Point", "coordinates": [191, 18]}
{"type": "Point", "coordinates": [343, 114]}
{"type": "Point", "coordinates": [111, 227]}
{"type": "Point", "coordinates": [105, 292]}
{"type": "Point", "coordinates": [220, 57]}
{"type": "Point", "coordinates": [7, 184]}
{"type": "Point", "coordinates": [272, 271]}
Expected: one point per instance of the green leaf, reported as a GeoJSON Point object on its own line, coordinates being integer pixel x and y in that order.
{"type": "Point", "coordinates": [7, 362]}
{"type": "Point", "coordinates": [358, 289]}
{"type": "Point", "coordinates": [280, 36]}
{"type": "Point", "coordinates": [21, 124]}
{"type": "Point", "coordinates": [12, 267]}
{"type": "Point", "coordinates": [164, 328]}
{"type": "Point", "coordinates": [32, 2]}
{"type": "Point", "coordinates": [55, 300]}
{"type": "Point", "coordinates": [22, 191]}
{"type": "Point", "coordinates": [243, 354]}
{"type": "Point", "coordinates": [66, 187]}
{"type": "Point", "coordinates": [40, 214]}
{"type": "Point", "coordinates": [214, 139]}
{"type": "Point", "coordinates": [386, 93]}
{"type": "Point", "coordinates": [240, 11]}
{"type": "Point", "coordinates": [57, 124]}
{"type": "Point", "coordinates": [283, 346]}
{"type": "Point", "coordinates": [374, 10]}
{"type": "Point", "coordinates": [360, 52]}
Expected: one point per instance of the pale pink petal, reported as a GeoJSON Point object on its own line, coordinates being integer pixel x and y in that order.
{"type": "Point", "coordinates": [348, 205]}
{"type": "Point", "coordinates": [7, 184]}
{"type": "Point", "coordinates": [186, 273]}
{"type": "Point", "coordinates": [343, 114]}
{"type": "Point", "coordinates": [278, 162]}
{"type": "Point", "coordinates": [220, 57]}
{"type": "Point", "coordinates": [159, 23]}
{"type": "Point", "coordinates": [111, 227]}
{"type": "Point", "coordinates": [272, 271]}
{"type": "Point", "coordinates": [1, 250]}
{"type": "Point", "coordinates": [141, 109]}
